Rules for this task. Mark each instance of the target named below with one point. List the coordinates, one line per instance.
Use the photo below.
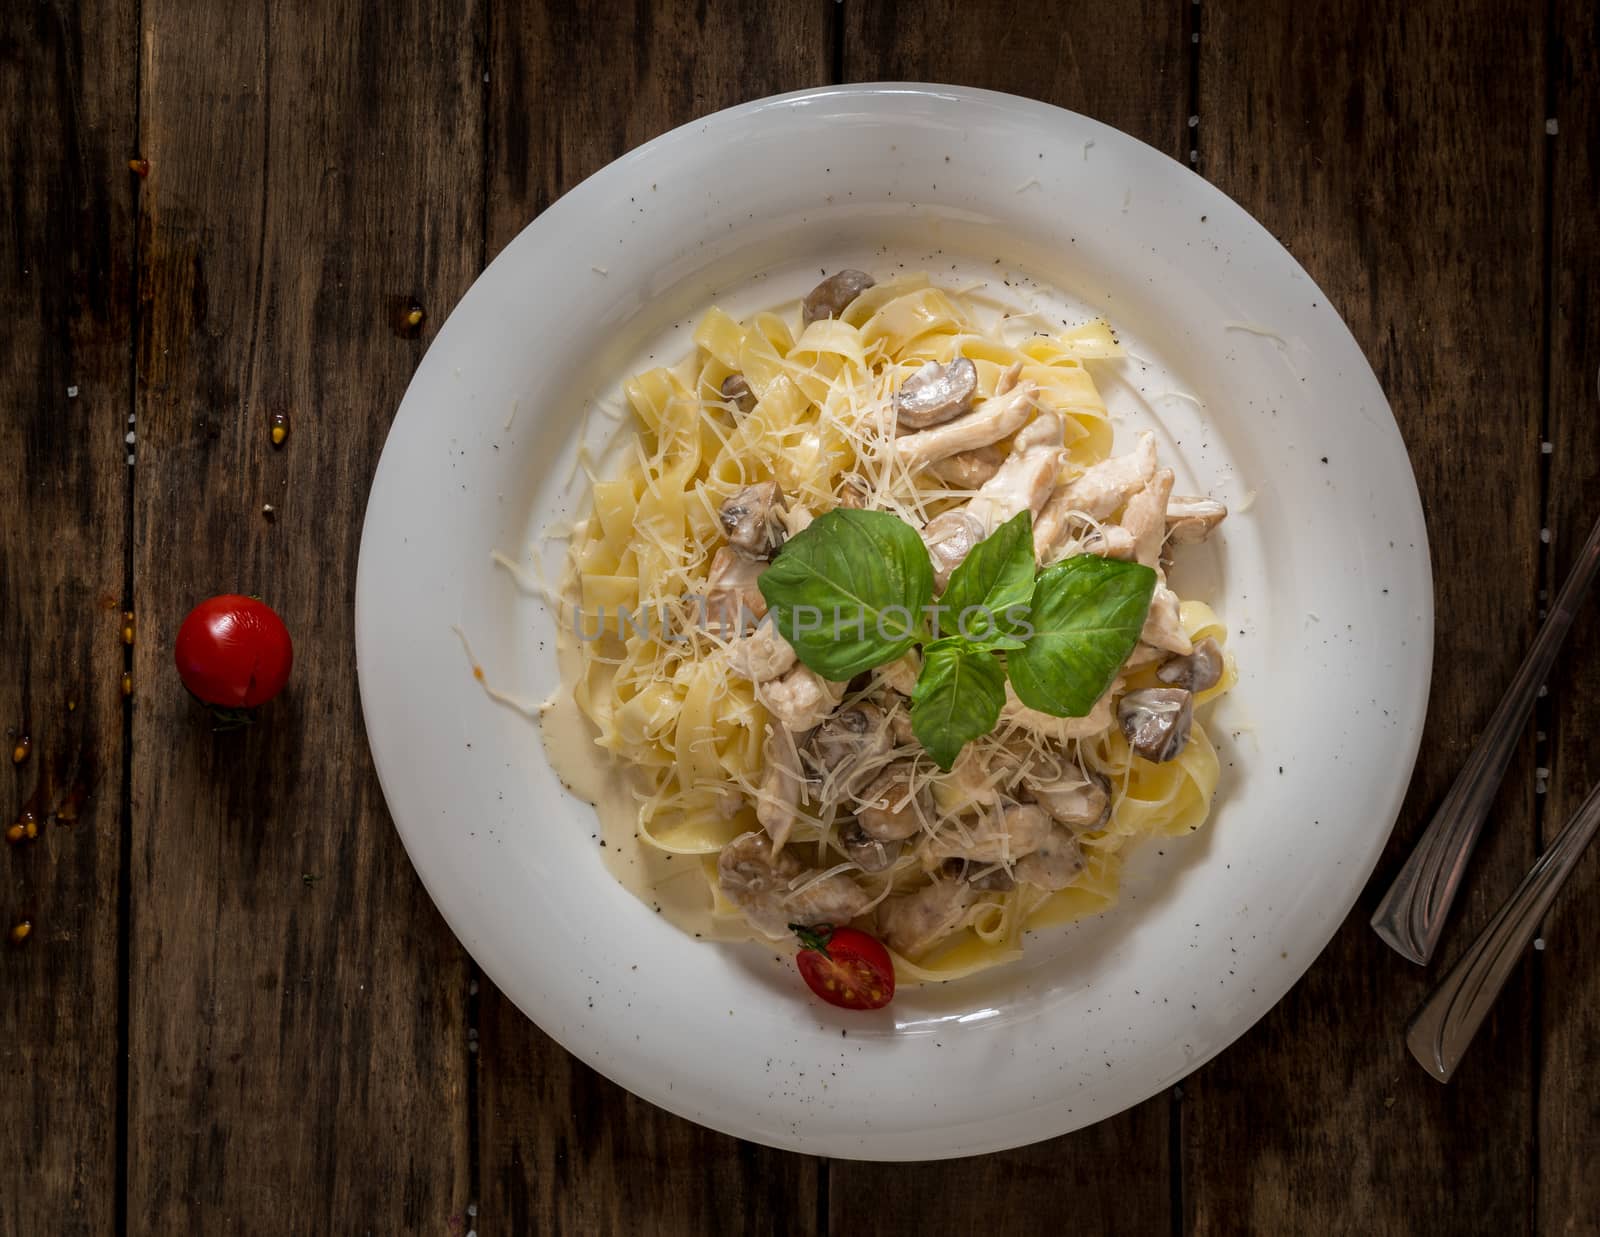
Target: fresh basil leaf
(1087, 615)
(995, 576)
(849, 592)
(957, 699)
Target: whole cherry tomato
(234, 652)
(845, 967)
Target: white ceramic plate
(1322, 578)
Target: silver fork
(1447, 1021)
(1412, 914)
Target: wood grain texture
(66, 248)
(298, 1026)
(1127, 66)
(572, 87)
(1568, 1100)
(1401, 162)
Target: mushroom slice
(753, 519)
(991, 878)
(737, 392)
(774, 889)
(936, 393)
(889, 805)
(1020, 829)
(914, 923)
(967, 470)
(800, 698)
(866, 851)
(849, 745)
(830, 298)
(1191, 519)
(950, 537)
(732, 594)
(1056, 863)
(1083, 803)
(1156, 721)
(997, 417)
(762, 655)
(1200, 670)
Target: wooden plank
(1568, 1103)
(1127, 66)
(571, 88)
(1400, 163)
(298, 1007)
(67, 198)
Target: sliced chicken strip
(1059, 730)
(778, 802)
(1110, 483)
(914, 923)
(967, 470)
(1162, 626)
(835, 899)
(1055, 865)
(1110, 541)
(761, 656)
(1191, 519)
(1026, 478)
(762, 884)
(1096, 494)
(900, 675)
(1145, 517)
(997, 417)
(733, 598)
(1020, 829)
(800, 699)
(797, 519)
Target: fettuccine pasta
(788, 798)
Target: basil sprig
(855, 591)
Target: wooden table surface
(238, 1011)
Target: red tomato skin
(858, 964)
(234, 652)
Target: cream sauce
(674, 885)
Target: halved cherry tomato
(844, 967)
(233, 652)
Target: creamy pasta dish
(876, 629)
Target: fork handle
(1446, 1023)
(1412, 914)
